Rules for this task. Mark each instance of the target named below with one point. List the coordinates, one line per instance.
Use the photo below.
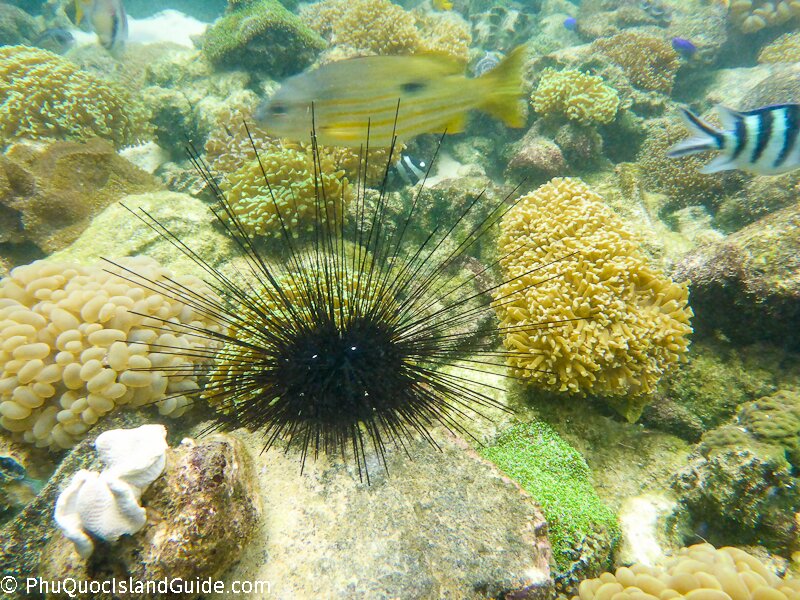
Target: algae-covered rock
(264, 37)
(748, 285)
(16, 26)
(199, 517)
(583, 530)
(50, 193)
(443, 523)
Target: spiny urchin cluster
(343, 346)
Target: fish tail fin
(704, 137)
(78, 12)
(504, 89)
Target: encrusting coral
(261, 36)
(649, 61)
(43, 95)
(700, 572)
(578, 96)
(616, 324)
(786, 49)
(754, 15)
(72, 349)
(382, 27)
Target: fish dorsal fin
(728, 117)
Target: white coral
(106, 504)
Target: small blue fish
(571, 23)
(764, 141)
(684, 47)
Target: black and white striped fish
(411, 171)
(765, 141)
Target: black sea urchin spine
(348, 343)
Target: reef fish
(386, 95)
(107, 18)
(763, 141)
(410, 170)
(571, 23)
(684, 47)
(442, 4)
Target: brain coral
(649, 61)
(616, 324)
(381, 27)
(42, 95)
(784, 49)
(754, 15)
(700, 572)
(72, 349)
(579, 96)
(292, 184)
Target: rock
(148, 157)
(49, 193)
(748, 285)
(199, 517)
(431, 528)
(536, 158)
(648, 526)
(117, 232)
(16, 26)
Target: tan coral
(72, 350)
(700, 572)
(587, 313)
(751, 16)
(43, 95)
(785, 49)
(649, 61)
(444, 33)
(578, 96)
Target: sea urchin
(349, 340)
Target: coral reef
(49, 193)
(740, 483)
(42, 95)
(358, 27)
(582, 529)
(263, 37)
(785, 49)
(748, 284)
(288, 195)
(578, 96)
(616, 324)
(758, 198)
(649, 61)
(700, 571)
(502, 28)
(73, 350)
(680, 179)
(751, 16)
(537, 159)
(106, 505)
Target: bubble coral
(754, 15)
(290, 193)
(578, 96)
(650, 62)
(43, 95)
(72, 349)
(621, 323)
(784, 49)
(699, 572)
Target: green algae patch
(264, 37)
(557, 476)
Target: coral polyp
(356, 337)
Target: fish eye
(412, 86)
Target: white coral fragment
(106, 505)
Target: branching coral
(73, 349)
(381, 27)
(700, 572)
(288, 194)
(784, 49)
(754, 15)
(262, 36)
(617, 325)
(578, 96)
(649, 61)
(42, 95)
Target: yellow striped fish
(426, 93)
